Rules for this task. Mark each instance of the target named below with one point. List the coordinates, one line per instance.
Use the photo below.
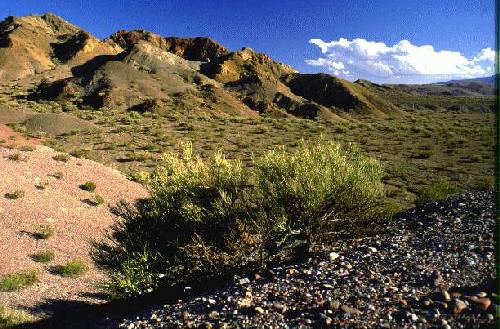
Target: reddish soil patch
(13, 138)
(62, 206)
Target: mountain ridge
(134, 69)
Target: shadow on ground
(80, 315)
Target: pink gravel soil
(61, 206)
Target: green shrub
(81, 153)
(88, 186)
(319, 185)
(61, 157)
(17, 281)
(14, 194)
(43, 256)
(71, 269)
(11, 317)
(98, 200)
(213, 218)
(436, 191)
(43, 232)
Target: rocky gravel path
(436, 270)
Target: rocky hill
(132, 69)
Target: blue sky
(351, 38)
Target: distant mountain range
(490, 80)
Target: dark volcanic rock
(193, 49)
(196, 49)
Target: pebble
(280, 308)
(350, 310)
(259, 310)
(459, 306)
(244, 281)
(446, 295)
(333, 255)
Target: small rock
(213, 315)
(413, 317)
(244, 281)
(350, 310)
(459, 306)
(482, 303)
(259, 310)
(482, 294)
(437, 279)
(333, 255)
(334, 304)
(446, 295)
(435, 313)
(372, 249)
(244, 303)
(280, 308)
(207, 325)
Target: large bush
(213, 218)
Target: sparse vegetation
(98, 200)
(43, 232)
(14, 157)
(262, 212)
(41, 185)
(26, 148)
(72, 269)
(56, 175)
(436, 191)
(391, 140)
(61, 157)
(89, 186)
(14, 194)
(10, 317)
(43, 256)
(81, 153)
(17, 281)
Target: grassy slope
(417, 149)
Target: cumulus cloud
(402, 62)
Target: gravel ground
(58, 203)
(437, 270)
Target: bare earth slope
(64, 207)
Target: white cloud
(487, 54)
(402, 62)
